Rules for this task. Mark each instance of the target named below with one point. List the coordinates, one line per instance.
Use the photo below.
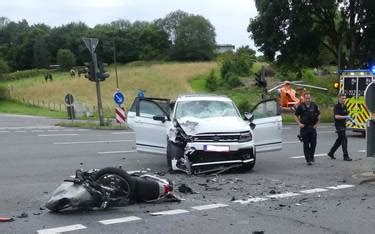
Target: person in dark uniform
(307, 116)
(340, 115)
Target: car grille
(217, 137)
(202, 156)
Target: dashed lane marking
(210, 206)
(37, 131)
(62, 134)
(31, 127)
(20, 131)
(362, 151)
(315, 155)
(251, 200)
(4, 131)
(316, 190)
(283, 195)
(120, 220)
(123, 133)
(291, 142)
(62, 229)
(319, 132)
(90, 142)
(170, 212)
(201, 207)
(118, 152)
(342, 186)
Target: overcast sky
(229, 17)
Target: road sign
(91, 43)
(69, 99)
(120, 115)
(118, 97)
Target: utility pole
(91, 44)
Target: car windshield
(205, 109)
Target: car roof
(202, 96)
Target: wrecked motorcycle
(109, 187)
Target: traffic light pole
(100, 107)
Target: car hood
(193, 126)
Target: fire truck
(353, 84)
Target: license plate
(216, 148)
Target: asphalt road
(281, 195)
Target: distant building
(224, 48)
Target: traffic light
(102, 74)
(90, 71)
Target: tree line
(178, 36)
(315, 32)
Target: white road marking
(4, 131)
(90, 142)
(31, 127)
(362, 151)
(325, 132)
(53, 130)
(316, 190)
(251, 200)
(316, 155)
(210, 206)
(21, 131)
(83, 130)
(118, 152)
(37, 130)
(120, 220)
(170, 212)
(122, 133)
(62, 229)
(283, 195)
(291, 142)
(342, 186)
(59, 134)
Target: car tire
(172, 152)
(248, 166)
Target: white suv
(205, 132)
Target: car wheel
(249, 166)
(173, 151)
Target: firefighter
(340, 115)
(307, 116)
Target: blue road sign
(118, 97)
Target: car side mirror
(249, 116)
(159, 118)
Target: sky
(230, 18)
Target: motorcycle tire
(118, 179)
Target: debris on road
(23, 215)
(6, 219)
(183, 188)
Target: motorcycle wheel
(118, 180)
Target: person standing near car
(340, 115)
(307, 116)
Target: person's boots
(331, 156)
(347, 158)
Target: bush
(233, 81)
(3, 93)
(211, 83)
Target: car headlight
(245, 136)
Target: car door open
(149, 118)
(267, 133)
